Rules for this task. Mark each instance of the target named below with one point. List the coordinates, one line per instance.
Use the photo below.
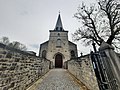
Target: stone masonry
(82, 69)
(18, 70)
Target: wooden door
(58, 61)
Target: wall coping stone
(105, 46)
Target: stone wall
(83, 70)
(18, 69)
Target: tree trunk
(110, 39)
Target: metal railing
(103, 70)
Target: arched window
(58, 34)
(58, 43)
(72, 54)
(61, 29)
(44, 53)
(56, 28)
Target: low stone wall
(18, 70)
(83, 70)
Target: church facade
(58, 48)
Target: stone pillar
(112, 60)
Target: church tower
(58, 48)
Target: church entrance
(58, 61)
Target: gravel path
(57, 79)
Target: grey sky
(29, 21)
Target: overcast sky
(29, 21)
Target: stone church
(58, 48)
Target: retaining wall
(83, 70)
(18, 69)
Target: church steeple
(59, 26)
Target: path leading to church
(56, 79)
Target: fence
(106, 65)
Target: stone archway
(58, 61)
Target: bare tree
(23, 47)
(5, 40)
(18, 45)
(14, 44)
(100, 23)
